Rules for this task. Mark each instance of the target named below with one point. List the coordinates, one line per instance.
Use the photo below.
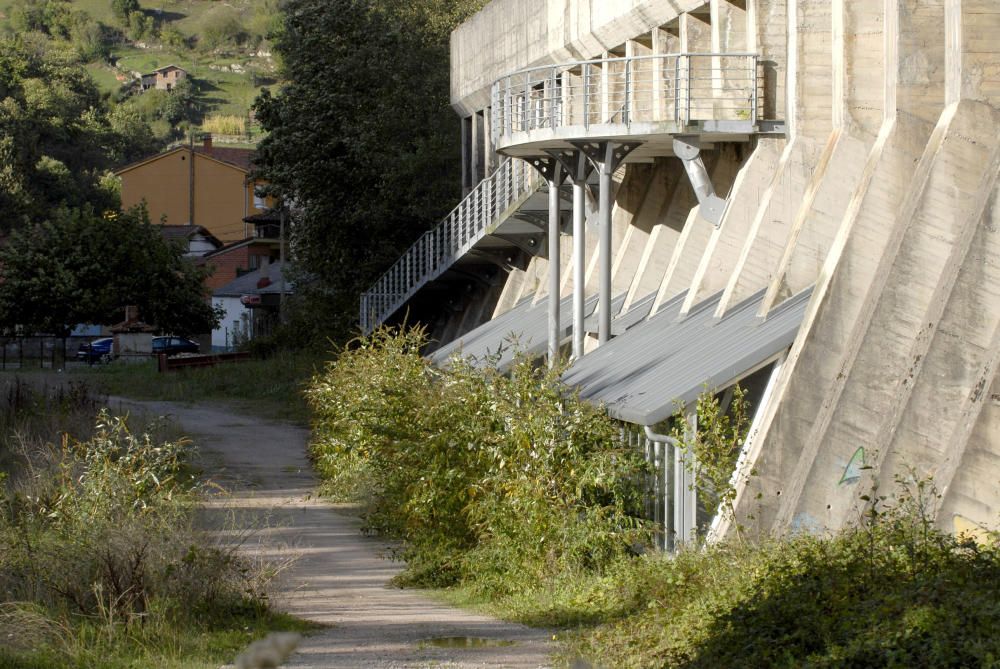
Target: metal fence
(38, 352)
(669, 487)
(679, 88)
(439, 248)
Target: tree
(79, 267)
(363, 140)
(122, 9)
(56, 140)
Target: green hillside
(224, 46)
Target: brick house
(164, 78)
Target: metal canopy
(645, 374)
(523, 328)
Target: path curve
(339, 577)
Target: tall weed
(488, 478)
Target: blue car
(174, 345)
(98, 350)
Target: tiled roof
(242, 158)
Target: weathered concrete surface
(875, 199)
(339, 577)
(508, 35)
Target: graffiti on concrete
(852, 472)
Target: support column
(578, 169)
(606, 157)
(554, 265)
(551, 171)
(685, 490)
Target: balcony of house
(645, 98)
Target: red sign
(250, 300)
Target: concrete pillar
(466, 154)
(475, 151)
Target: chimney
(207, 139)
(131, 313)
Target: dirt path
(339, 577)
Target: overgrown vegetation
(500, 482)
(270, 387)
(513, 495)
(890, 592)
(100, 560)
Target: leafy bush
(98, 546)
(488, 478)
(892, 592)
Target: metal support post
(549, 168)
(606, 158)
(578, 169)
(554, 265)
(605, 169)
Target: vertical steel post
(579, 255)
(553, 306)
(604, 248)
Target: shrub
(891, 592)
(488, 478)
(102, 530)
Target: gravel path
(338, 577)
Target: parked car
(174, 345)
(99, 350)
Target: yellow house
(195, 185)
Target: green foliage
(715, 445)
(122, 9)
(489, 479)
(100, 560)
(222, 26)
(82, 268)
(55, 136)
(897, 593)
(141, 26)
(270, 387)
(363, 137)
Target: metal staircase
(493, 200)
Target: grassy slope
(224, 92)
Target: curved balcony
(713, 95)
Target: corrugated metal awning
(523, 328)
(665, 362)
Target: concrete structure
(196, 185)
(702, 155)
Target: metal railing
(668, 485)
(439, 248)
(678, 88)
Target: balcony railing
(438, 249)
(678, 89)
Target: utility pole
(281, 272)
